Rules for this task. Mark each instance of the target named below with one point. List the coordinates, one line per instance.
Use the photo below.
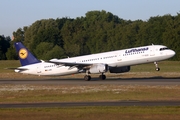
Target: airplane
(118, 61)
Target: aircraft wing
(71, 64)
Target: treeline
(4, 45)
(98, 31)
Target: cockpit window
(165, 48)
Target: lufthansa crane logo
(23, 53)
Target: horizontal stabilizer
(20, 69)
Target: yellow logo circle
(23, 53)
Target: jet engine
(119, 69)
(98, 68)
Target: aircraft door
(39, 69)
(119, 58)
(152, 51)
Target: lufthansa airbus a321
(118, 61)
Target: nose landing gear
(156, 65)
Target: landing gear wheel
(102, 77)
(157, 69)
(87, 77)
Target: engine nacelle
(119, 69)
(98, 68)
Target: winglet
(25, 56)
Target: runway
(78, 104)
(78, 81)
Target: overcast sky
(16, 14)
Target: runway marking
(76, 104)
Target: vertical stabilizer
(25, 56)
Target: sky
(16, 14)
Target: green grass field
(92, 113)
(68, 93)
(62, 93)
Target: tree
(4, 45)
(56, 52)
(98, 31)
(42, 49)
(18, 35)
(11, 53)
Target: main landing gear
(87, 77)
(156, 65)
(102, 77)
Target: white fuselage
(119, 58)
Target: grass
(67, 93)
(8, 64)
(90, 113)
(165, 66)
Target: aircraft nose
(172, 53)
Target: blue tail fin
(25, 56)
